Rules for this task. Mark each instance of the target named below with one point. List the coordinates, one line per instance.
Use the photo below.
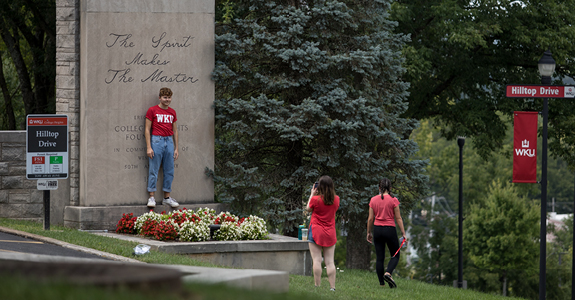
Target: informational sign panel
(46, 146)
(540, 91)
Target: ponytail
(385, 186)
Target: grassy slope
(350, 284)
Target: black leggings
(383, 235)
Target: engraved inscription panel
(125, 59)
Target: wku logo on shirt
(165, 118)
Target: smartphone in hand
(315, 185)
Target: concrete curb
(276, 281)
(279, 253)
(68, 245)
(251, 279)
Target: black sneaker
(389, 280)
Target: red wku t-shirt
(162, 120)
(323, 221)
(383, 210)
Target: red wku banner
(525, 146)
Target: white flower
(196, 228)
(147, 216)
(194, 231)
(229, 231)
(253, 228)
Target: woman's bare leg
(328, 254)
(315, 252)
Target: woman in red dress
(323, 203)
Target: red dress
(323, 221)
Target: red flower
(165, 231)
(126, 224)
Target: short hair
(165, 92)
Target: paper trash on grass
(142, 249)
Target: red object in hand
(400, 246)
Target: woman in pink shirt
(323, 203)
(383, 214)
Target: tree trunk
(504, 279)
(23, 76)
(358, 249)
(9, 111)
(293, 202)
(44, 80)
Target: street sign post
(46, 146)
(47, 154)
(545, 92)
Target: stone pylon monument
(113, 57)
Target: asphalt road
(17, 244)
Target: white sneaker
(151, 202)
(171, 202)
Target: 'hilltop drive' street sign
(540, 91)
(46, 146)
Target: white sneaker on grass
(171, 202)
(151, 202)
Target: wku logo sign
(524, 150)
(525, 146)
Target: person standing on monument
(323, 203)
(161, 135)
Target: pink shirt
(383, 210)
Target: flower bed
(193, 226)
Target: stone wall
(19, 197)
(68, 96)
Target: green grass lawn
(350, 284)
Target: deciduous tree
(501, 235)
(28, 32)
(462, 54)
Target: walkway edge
(68, 245)
(251, 279)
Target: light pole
(460, 143)
(546, 68)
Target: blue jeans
(310, 235)
(163, 147)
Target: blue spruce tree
(311, 88)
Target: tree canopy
(462, 54)
(27, 59)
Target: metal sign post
(542, 91)
(46, 154)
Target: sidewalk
(123, 270)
